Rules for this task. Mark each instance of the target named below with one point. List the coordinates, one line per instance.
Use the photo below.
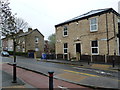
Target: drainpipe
(107, 35)
(115, 43)
(107, 39)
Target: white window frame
(65, 29)
(65, 48)
(36, 49)
(118, 20)
(36, 39)
(95, 48)
(95, 24)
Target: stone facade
(31, 41)
(80, 37)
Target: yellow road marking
(82, 73)
(86, 74)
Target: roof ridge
(88, 14)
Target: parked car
(5, 53)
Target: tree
(52, 39)
(21, 24)
(9, 28)
(7, 19)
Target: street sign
(104, 39)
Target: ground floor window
(94, 47)
(65, 50)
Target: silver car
(5, 53)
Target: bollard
(88, 62)
(113, 61)
(14, 73)
(51, 80)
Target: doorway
(78, 51)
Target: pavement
(7, 82)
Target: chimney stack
(29, 29)
(20, 31)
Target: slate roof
(27, 33)
(89, 14)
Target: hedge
(19, 53)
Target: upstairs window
(94, 47)
(36, 39)
(65, 31)
(93, 24)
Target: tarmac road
(43, 66)
(70, 73)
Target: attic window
(36, 39)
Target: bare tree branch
(21, 24)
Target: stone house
(31, 41)
(7, 44)
(93, 33)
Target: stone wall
(79, 32)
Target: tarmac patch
(98, 66)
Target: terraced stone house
(94, 33)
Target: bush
(10, 52)
(19, 53)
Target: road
(46, 66)
(63, 71)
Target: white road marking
(63, 88)
(102, 72)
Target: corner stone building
(93, 33)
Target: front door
(78, 51)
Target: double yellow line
(86, 74)
(81, 73)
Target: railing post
(51, 80)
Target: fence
(101, 58)
(94, 58)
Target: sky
(45, 14)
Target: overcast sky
(45, 14)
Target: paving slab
(7, 81)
